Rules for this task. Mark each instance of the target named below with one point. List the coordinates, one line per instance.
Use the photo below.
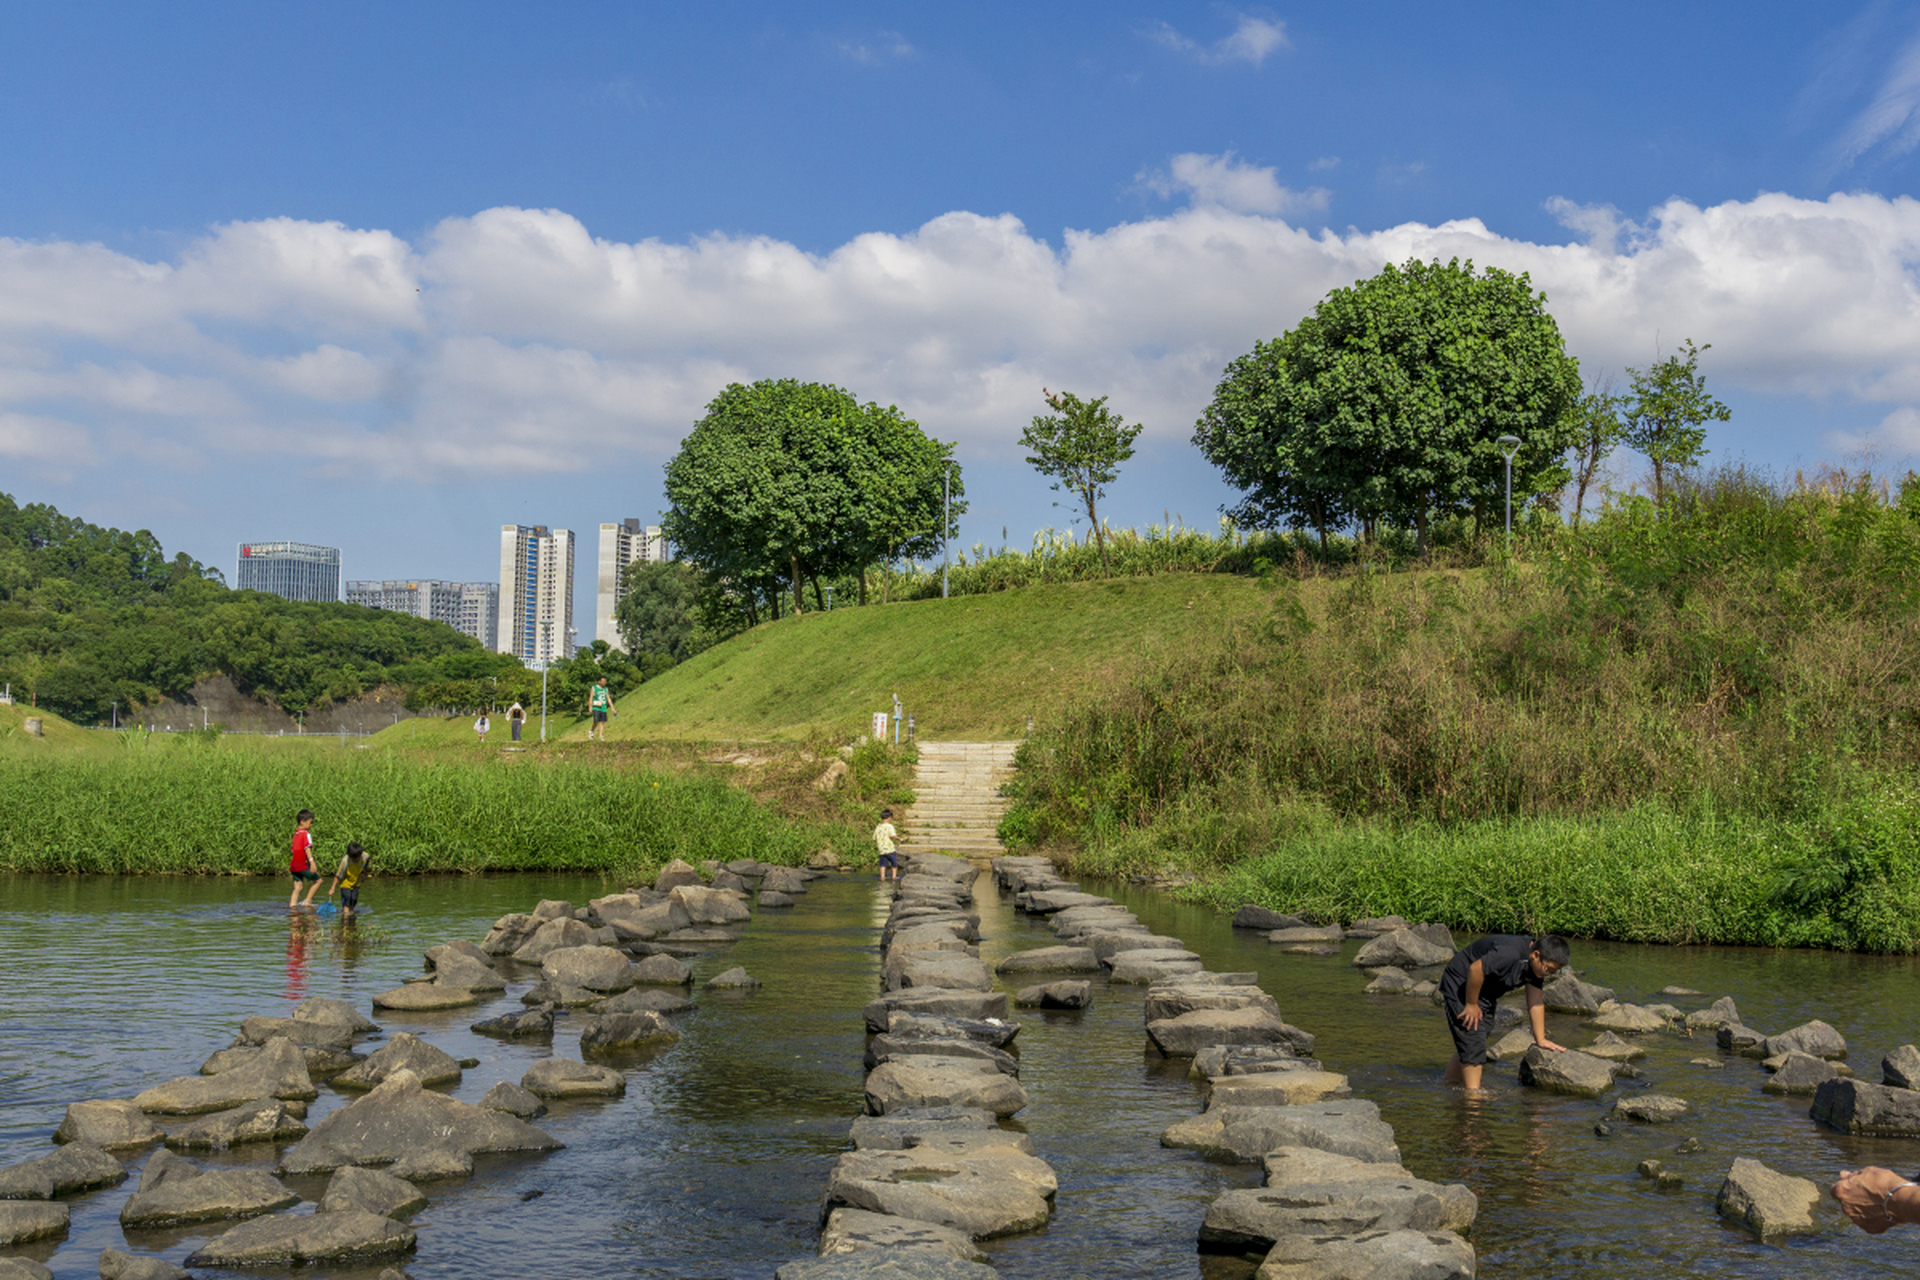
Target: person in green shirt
(602, 705)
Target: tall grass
(185, 806)
(1752, 652)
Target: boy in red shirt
(302, 865)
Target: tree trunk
(863, 584)
(1659, 484)
(1098, 536)
(1420, 518)
(799, 601)
(819, 601)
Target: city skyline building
(471, 608)
(292, 570)
(536, 593)
(621, 545)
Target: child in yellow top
(887, 840)
(347, 877)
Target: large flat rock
(405, 1051)
(1050, 960)
(77, 1166)
(407, 1127)
(1401, 949)
(595, 968)
(174, 1191)
(1375, 1255)
(277, 1071)
(428, 997)
(1766, 1202)
(934, 1126)
(946, 970)
(1186, 1035)
(1171, 999)
(288, 1239)
(854, 1230)
(1856, 1106)
(1278, 1089)
(1350, 1127)
(107, 1123)
(1255, 1218)
(984, 1193)
(923, 1081)
(1570, 1072)
(980, 1005)
(267, 1120)
(885, 1264)
(25, 1220)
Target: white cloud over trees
(516, 341)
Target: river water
(713, 1163)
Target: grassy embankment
(1701, 726)
(207, 805)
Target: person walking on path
(347, 877)
(481, 726)
(887, 841)
(302, 863)
(1477, 976)
(516, 719)
(602, 706)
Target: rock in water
(1570, 1072)
(286, 1239)
(407, 1127)
(371, 1191)
(854, 1230)
(1652, 1108)
(1854, 1106)
(1350, 1127)
(1721, 1013)
(174, 1191)
(512, 1099)
(1815, 1039)
(1765, 1202)
(117, 1264)
(1900, 1069)
(1379, 1255)
(1401, 949)
(605, 1033)
(268, 1120)
(25, 1220)
(560, 1078)
(533, 1024)
(278, 1071)
(984, 1192)
(736, 979)
(405, 1051)
(1567, 994)
(884, 1264)
(1800, 1073)
(108, 1123)
(74, 1167)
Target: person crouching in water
(1477, 976)
(347, 877)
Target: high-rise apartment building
(296, 570)
(536, 592)
(620, 545)
(472, 608)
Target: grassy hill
(973, 667)
(58, 736)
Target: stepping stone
(289, 1239)
(1652, 1108)
(1050, 960)
(107, 1123)
(1611, 1047)
(1187, 1034)
(559, 1078)
(277, 1071)
(1388, 1255)
(1764, 1201)
(942, 1082)
(426, 997)
(1278, 1089)
(1570, 1072)
(371, 1191)
(885, 1264)
(852, 1230)
(413, 1131)
(268, 1120)
(1055, 995)
(1350, 1127)
(407, 1052)
(174, 1191)
(997, 1191)
(24, 1220)
(1260, 1216)
(77, 1166)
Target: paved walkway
(958, 805)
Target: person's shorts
(599, 717)
(349, 899)
(1470, 1045)
(889, 859)
(305, 877)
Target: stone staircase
(957, 806)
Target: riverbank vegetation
(198, 804)
(1696, 722)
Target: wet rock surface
(1764, 1201)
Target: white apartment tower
(536, 592)
(620, 545)
(469, 607)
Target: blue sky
(386, 277)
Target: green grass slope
(974, 667)
(58, 736)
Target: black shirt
(1503, 960)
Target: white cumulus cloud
(516, 341)
(1251, 41)
(1221, 180)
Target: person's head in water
(355, 852)
(1549, 955)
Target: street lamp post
(546, 639)
(1509, 445)
(946, 523)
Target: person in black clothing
(1478, 975)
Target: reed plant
(180, 805)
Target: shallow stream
(713, 1163)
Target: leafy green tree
(1666, 414)
(783, 482)
(1081, 445)
(656, 614)
(1388, 401)
(1597, 430)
